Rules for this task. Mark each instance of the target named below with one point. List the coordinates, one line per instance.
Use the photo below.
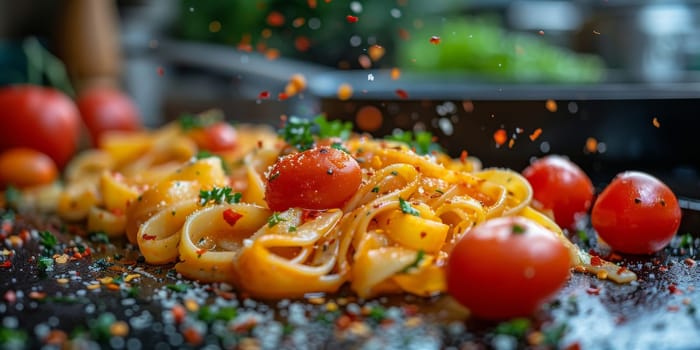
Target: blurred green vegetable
(482, 46)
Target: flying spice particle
(395, 74)
(535, 134)
(272, 54)
(302, 43)
(264, 95)
(376, 52)
(435, 40)
(214, 26)
(500, 137)
(402, 93)
(369, 118)
(312, 3)
(551, 105)
(591, 145)
(468, 106)
(541, 32)
(266, 33)
(511, 143)
(160, 71)
(404, 34)
(298, 22)
(344, 92)
(282, 96)
(364, 61)
(351, 19)
(656, 123)
(275, 19)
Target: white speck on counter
(504, 342)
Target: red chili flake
(351, 19)
(663, 268)
(312, 3)
(402, 93)
(282, 96)
(535, 134)
(343, 322)
(593, 290)
(410, 309)
(6, 227)
(621, 270)
(245, 325)
(673, 308)
(10, 296)
(302, 43)
(77, 255)
(689, 262)
(463, 156)
(260, 144)
(160, 71)
(37, 295)
(245, 47)
(147, 237)
(264, 95)
(275, 19)
(6, 263)
(117, 212)
(673, 289)
(596, 261)
(435, 40)
(200, 252)
(308, 215)
(541, 32)
(231, 217)
(500, 137)
(192, 336)
(179, 313)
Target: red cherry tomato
(104, 109)
(40, 118)
(636, 213)
(25, 167)
(506, 267)
(319, 178)
(217, 137)
(561, 187)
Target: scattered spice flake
(376, 52)
(402, 93)
(511, 143)
(404, 34)
(298, 22)
(395, 74)
(596, 261)
(369, 118)
(61, 280)
(673, 289)
(541, 32)
(160, 71)
(463, 156)
(275, 19)
(302, 43)
(500, 137)
(551, 105)
(591, 145)
(214, 26)
(312, 3)
(344, 92)
(656, 123)
(147, 237)
(37, 295)
(231, 217)
(435, 40)
(178, 312)
(6, 264)
(535, 134)
(596, 32)
(364, 61)
(298, 81)
(264, 95)
(282, 96)
(266, 33)
(272, 54)
(690, 262)
(192, 336)
(468, 106)
(351, 19)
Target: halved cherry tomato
(41, 118)
(318, 178)
(217, 137)
(26, 167)
(636, 213)
(104, 109)
(561, 187)
(506, 267)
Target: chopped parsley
(419, 258)
(274, 219)
(99, 237)
(13, 338)
(421, 141)
(517, 229)
(45, 263)
(582, 235)
(375, 189)
(208, 315)
(47, 240)
(219, 195)
(178, 287)
(377, 313)
(686, 240)
(12, 196)
(407, 208)
(516, 327)
(292, 229)
(300, 132)
(339, 146)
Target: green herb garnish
(297, 132)
(419, 258)
(47, 240)
(686, 240)
(292, 229)
(375, 189)
(333, 128)
(100, 328)
(377, 313)
(554, 334)
(12, 196)
(421, 141)
(179, 287)
(45, 263)
(13, 338)
(274, 219)
(516, 327)
(517, 229)
(407, 208)
(99, 237)
(582, 235)
(219, 195)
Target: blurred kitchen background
(613, 84)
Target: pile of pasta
(148, 186)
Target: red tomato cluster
(48, 122)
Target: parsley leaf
(99, 237)
(45, 263)
(333, 128)
(517, 229)
(297, 132)
(516, 327)
(421, 141)
(274, 219)
(219, 195)
(179, 287)
(407, 208)
(419, 257)
(686, 240)
(47, 240)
